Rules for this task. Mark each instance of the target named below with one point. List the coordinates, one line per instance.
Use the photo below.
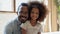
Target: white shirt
(31, 29)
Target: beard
(22, 19)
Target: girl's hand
(23, 31)
(39, 32)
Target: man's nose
(24, 14)
(34, 14)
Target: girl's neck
(33, 22)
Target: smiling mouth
(23, 17)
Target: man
(14, 26)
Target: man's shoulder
(12, 23)
(10, 26)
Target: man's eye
(21, 12)
(24, 12)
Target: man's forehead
(24, 7)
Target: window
(58, 13)
(6, 5)
(10, 5)
(18, 2)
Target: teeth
(23, 18)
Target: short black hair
(41, 7)
(22, 4)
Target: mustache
(23, 16)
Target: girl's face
(34, 13)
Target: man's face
(23, 14)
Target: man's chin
(22, 21)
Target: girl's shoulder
(27, 22)
(39, 23)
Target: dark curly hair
(42, 10)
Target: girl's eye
(36, 13)
(32, 12)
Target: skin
(34, 15)
(23, 14)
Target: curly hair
(42, 10)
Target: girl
(37, 12)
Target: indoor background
(51, 24)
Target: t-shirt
(31, 29)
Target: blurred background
(8, 9)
